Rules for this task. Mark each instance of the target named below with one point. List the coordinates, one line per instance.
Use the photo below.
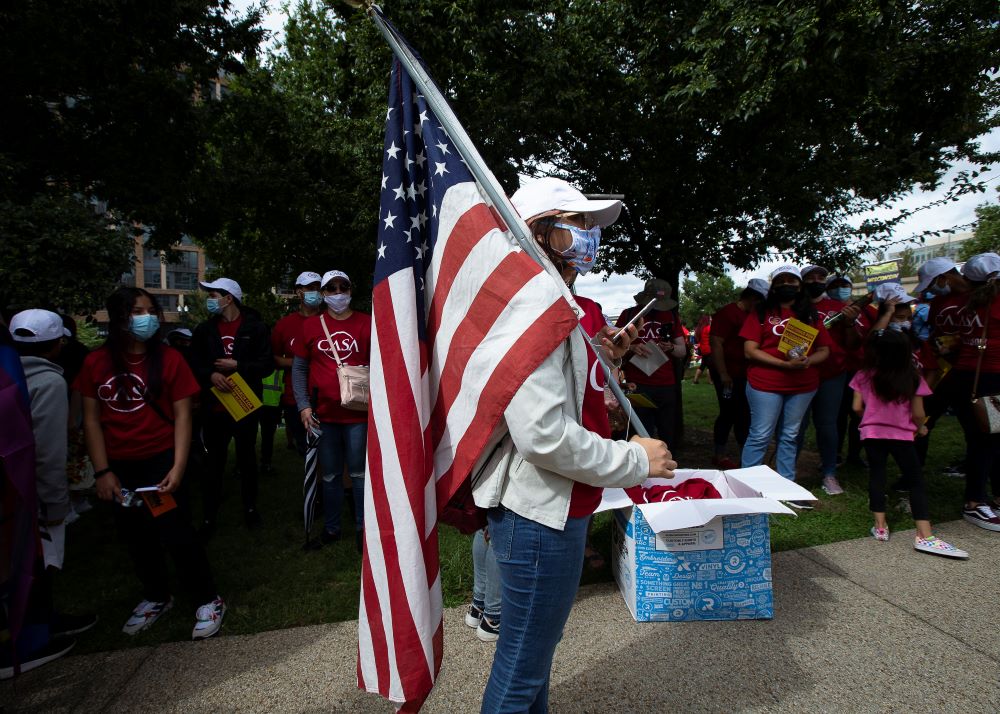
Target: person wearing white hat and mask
(728, 367)
(530, 482)
(780, 385)
(336, 332)
(286, 331)
(233, 340)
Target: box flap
(770, 484)
(613, 499)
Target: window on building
(183, 275)
(167, 302)
(151, 268)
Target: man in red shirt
(283, 337)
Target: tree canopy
(986, 234)
(704, 294)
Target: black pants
(935, 407)
(148, 537)
(982, 450)
(848, 423)
(905, 455)
(659, 421)
(270, 417)
(734, 412)
(293, 425)
(218, 430)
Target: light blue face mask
(581, 254)
(940, 290)
(213, 306)
(842, 294)
(143, 327)
(312, 298)
(903, 326)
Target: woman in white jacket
(543, 480)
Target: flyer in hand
(239, 402)
(799, 335)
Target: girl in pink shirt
(889, 397)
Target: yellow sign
(799, 335)
(239, 402)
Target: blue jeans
(540, 571)
(340, 444)
(766, 408)
(825, 408)
(485, 577)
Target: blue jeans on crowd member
(485, 577)
(766, 408)
(540, 571)
(825, 408)
(342, 444)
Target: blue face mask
(903, 326)
(581, 254)
(941, 290)
(143, 327)
(213, 306)
(842, 294)
(312, 298)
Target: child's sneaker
(488, 630)
(881, 534)
(209, 619)
(936, 546)
(473, 616)
(145, 614)
(832, 486)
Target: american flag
(461, 316)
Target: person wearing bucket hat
(234, 340)
(283, 338)
(657, 349)
(729, 370)
(781, 377)
(555, 440)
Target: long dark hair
(983, 294)
(119, 306)
(802, 308)
(889, 360)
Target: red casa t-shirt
(971, 326)
(586, 498)
(132, 429)
(837, 363)
(286, 331)
(352, 337)
(227, 333)
(726, 325)
(704, 345)
(656, 323)
(766, 378)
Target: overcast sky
(615, 292)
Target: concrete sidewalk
(858, 626)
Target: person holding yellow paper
(781, 378)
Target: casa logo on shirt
(344, 341)
(123, 393)
(778, 325)
(954, 320)
(597, 377)
(650, 331)
(227, 345)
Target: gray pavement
(859, 626)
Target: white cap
(806, 269)
(553, 194)
(331, 274)
(308, 278)
(980, 267)
(930, 270)
(759, 285)
(885, 291)
(37, 326)
(225, 284)
(182, 331)
(785, 269)
(835, 277)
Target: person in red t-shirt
(780, 384)
(338, 331)
(729, 370)
(660, 335)
(137, 425)
(283, 337)
(702, 337)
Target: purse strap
(979, 362)
(333, 346)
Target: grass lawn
(270, 583)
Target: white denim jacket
(541, 448)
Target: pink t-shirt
(885, 420)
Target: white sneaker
(145, 614)
(209, 619)
(936, 546)
(832, 486)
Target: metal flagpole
(467, 150)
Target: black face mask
(814, 290)
(786, 293)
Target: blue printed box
(700, 560)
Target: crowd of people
(875, 371)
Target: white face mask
(339, 302)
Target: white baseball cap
(835, 277)
(759, 285)
(889, 290)
(227, 285)
(806, 269)
(331, 274)
(308, 278)
(785, 269)
(37, 326)
(930, 270)
(553, 194)
(182, 331)
(980, 267)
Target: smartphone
(643, 311)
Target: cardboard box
(700, 560)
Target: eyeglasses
(337, 288)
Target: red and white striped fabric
(461, 316)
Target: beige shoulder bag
(354, 381)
